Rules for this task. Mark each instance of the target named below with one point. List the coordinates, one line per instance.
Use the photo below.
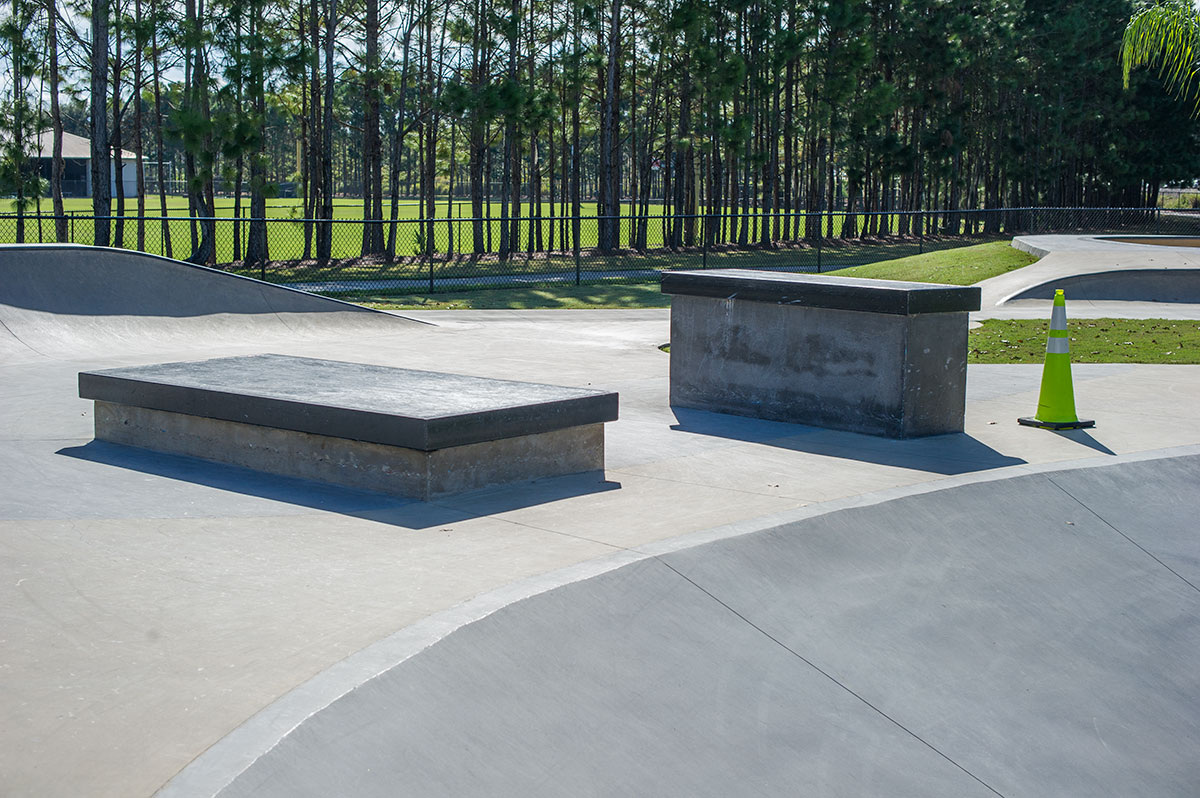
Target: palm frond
(1166, 35)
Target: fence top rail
(726, 214)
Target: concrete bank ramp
(1122, 285)
(1098, 269)
(1032, 636)
(66, 300)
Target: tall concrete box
(873, 356)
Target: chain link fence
(354, 259)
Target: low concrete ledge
(412, 433)
(823, 291)
(873, 356)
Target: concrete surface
(153, 606)
(919, 646)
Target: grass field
(963, 266)
(959, 266)
(286, 232)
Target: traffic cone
(1056, 402)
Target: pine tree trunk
(138, 149)
(256, 238)
(118, 153)
(325, 228)
(61, 233)
(101, 155)
(372, 161)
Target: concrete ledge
(868, 356)
(421, 410)
(395, 470)
(1029, 247)
(823, 291)
(417, 434)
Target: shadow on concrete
(1083, 437)
(504, 498)
(367, 505)
(940, 454)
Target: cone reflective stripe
(1056, 400)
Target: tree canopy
(740, 111)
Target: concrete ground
(155, 607)
(902, 648)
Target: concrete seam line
(217, 767)
(21, 340)
(1111, 526)
(831, 678)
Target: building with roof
(77, 166)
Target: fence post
(820, 235)
(704, 249)
(575, 249)
(920, 219)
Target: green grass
(995, 257)
(1092, 341)
(286, 236)
(962, 266)
(573, 297)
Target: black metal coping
(823, 291)
(422, 410)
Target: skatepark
(733, 606)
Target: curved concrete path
(151, 606)
(1101, 277)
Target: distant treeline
(711, 107)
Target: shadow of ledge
(322, 496)
(956, 453)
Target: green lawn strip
(961, 266)
(1002, 256)
(1092, 341)
(623, 265)
(566, 297)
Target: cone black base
(1080, 424)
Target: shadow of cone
(1056, 401)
